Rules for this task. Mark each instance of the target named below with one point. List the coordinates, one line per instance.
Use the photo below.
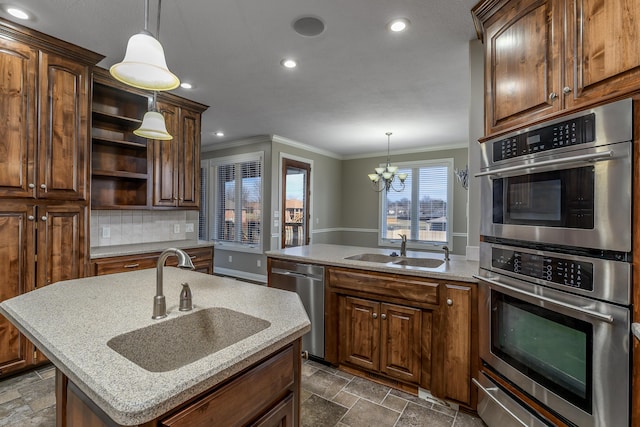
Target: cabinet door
(18, 63)
(189, 159)
(16, 275)
(165, 159)
(602, 36)
(61, 243)
(400, 329)
(457, 343)
(360, 332)
(63, 138)
(522, 68)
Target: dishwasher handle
(295, 274)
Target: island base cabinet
(266, 395)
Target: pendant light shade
(153, 127)
(144, 65)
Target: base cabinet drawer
(202, 259)
(244, 399)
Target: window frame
(214, 200)
(414, 244)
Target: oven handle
(487, 392)
(593, 157)
(603, 317)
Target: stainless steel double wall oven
(555, 272)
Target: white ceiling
(353, 83)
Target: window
(235, 184)
(422, 210)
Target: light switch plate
(106, 232)
(188, 228)
(176, 228)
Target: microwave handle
(593, 157)
(602, 317)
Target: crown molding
(408, 151)
(205, 148)
(300, 145)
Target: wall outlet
(188, 228)
(259, 263)
(276, 223)
(230, 258)
(176, 228)
(106, 232)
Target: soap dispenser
(186, 300)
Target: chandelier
(385, 178)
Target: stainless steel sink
(399, 261)
(420, 262)
(177, 342)
(373, 258)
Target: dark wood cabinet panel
(548, 57)
(400, 337)
(18, 63)
(63, 140)
(17, 270)
(165, 159)
(61, 243)
(188, 180)
(360, 332)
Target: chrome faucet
(446, 253)
(403, 245)
(159, 302)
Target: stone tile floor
(329, 398)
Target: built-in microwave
(564, 182)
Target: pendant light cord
(158, 26)
(146, 18)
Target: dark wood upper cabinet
(545, 57)
(130, 172)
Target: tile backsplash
(122, 227)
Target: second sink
(177, 342)
(399, 261)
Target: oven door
(576, 198)
(569, 353)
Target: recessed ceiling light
(288, 63)
(17, 13)
(185, 85)
(219, 133)
(398, 25)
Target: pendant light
(153, 126)
(144, 65)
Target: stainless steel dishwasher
(307, 280)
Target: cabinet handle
(566, 90)
(31, 217)
(375, 315)
(449, 301)
(32, 185)
(384, 316)
(131, 265)
(553, 96)
(175, 198)
(44, 218)
(43, 186)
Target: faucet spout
(446, 253)
(159, 301)
(403, 245)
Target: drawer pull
(375, 315)
(131, 265)
(384, 316)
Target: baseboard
(239, 274)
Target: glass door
(296, 179)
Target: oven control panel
(575, 274)
(580, 130)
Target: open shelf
(119, 174)
(101, 116)
(110, 193)
(117, 142)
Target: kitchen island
(75, 323)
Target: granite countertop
(457, 268)
(141, 248)
(72, 321)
